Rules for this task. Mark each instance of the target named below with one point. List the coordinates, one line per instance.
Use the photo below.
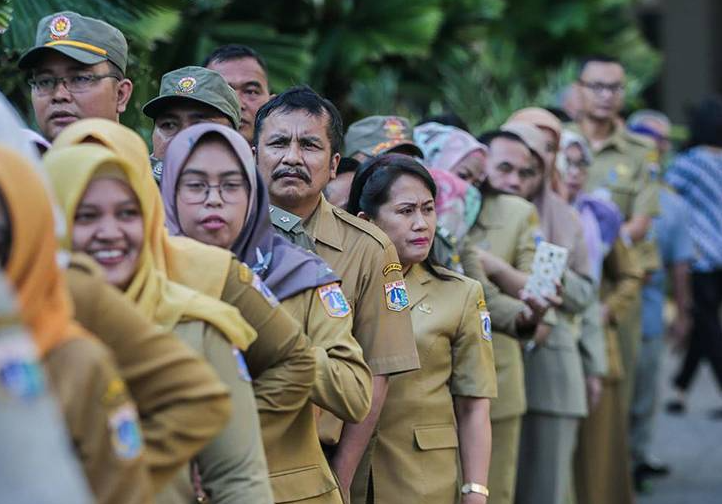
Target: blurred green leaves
(478, 58)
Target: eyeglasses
(599, 87)
(78, 83)
(195, 192)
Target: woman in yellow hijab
(110, 216)
(100, 416)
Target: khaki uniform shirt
(101, 419)
(415, 458)
(232, 467)
(366, 260)
(181, 402)
(621, 281)
(506, 227)
(342, 387)
(624, 168)
(298, 469)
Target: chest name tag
(333, 300)
(397, 298)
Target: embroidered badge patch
(20, 374)
(242, 366)
(397, 298)
(187, 85)
(59, 27)
(333, 300)
(261, 287)
(391, 267)
(394, 128)
(125, 431)
(485, 325)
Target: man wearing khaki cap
(377, 135)
(188, 96)
(77, 70)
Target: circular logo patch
(60, 27)
(187, 85)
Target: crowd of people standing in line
(268, 309)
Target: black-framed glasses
(195, 192)
(599, 87)
(74, 83)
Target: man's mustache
(289, 171)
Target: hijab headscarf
(285, 268)
(32, 268)
(444, 146)
(559, 222)
(201, 267)
(457, 203)
(601, 218)
(71, 169)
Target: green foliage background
(481, 59)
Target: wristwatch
(474, 488)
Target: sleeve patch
(125, 432)
(261, 287)
(394, 266)
(243, 372)
(115, 390)
(20, 373)
(397, 298)
(333, 300)
(485, 325)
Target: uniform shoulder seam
(363, 226)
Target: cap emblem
(394, 128)
(187, 85)
(59, 27)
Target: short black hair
(303, 98)
(448, 119)
(234, 51)
(347, 165)
(371, 188)
(489, 136)
(596, 58)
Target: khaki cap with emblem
(84, 39)
(376, 135)
(198, 84)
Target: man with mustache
(77, 70)
(298, 138)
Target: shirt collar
(323, 225)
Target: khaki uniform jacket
(504, 309)
(623, 167)
(101, 419)
(232, 467)
(415, 459)
(181, 402)
(554, 374)
(298, 469)
(366, 260)
(343, 380)
(621, 280)
(505, 227)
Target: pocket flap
(436, 437)
(301, 483)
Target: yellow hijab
(199, 266)
(32, 269)
(71, 169)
